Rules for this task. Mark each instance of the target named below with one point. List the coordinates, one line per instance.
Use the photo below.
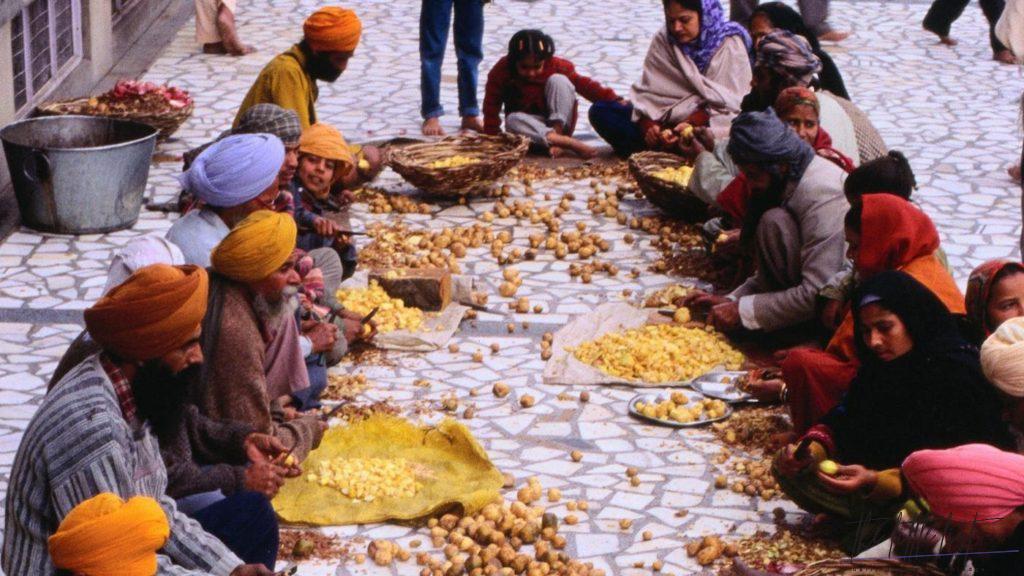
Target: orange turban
(325, 141)
(333, 29)
(156, 310)
(256, 247)
(106, 536)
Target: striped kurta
(77, 446)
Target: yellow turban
(1002, 357)
(106, 536)
(156, 310)
(256, 247)
(325, 141)
(333, 29)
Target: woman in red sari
(883, 232)
(798, 107)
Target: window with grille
(46, 42)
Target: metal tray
(653, 397)
(713, 386)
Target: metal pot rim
(153, 135)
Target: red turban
(156, 310)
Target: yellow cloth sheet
(455, 472)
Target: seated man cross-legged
(93, 432)
(254, 359)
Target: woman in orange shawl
(883, 232)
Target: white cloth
(748, 316)
(1010, 28)
(712, 172)
(672, 87)
(207, 31)
(139, 253)
(839, 126)
(197, 234)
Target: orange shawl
(896, 235)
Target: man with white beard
(253, 356)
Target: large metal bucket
(79, 174)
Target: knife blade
(370, 316)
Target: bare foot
(241, 50)
(472, 123)
(583, 151)
(557, 151)
(1014, 172)
(214, 48)
(577, 147)
(1005, 57)
(948, 40)
(432, 127)
(834, 36)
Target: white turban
(1002, 357)
(235, 170)
(139, 253)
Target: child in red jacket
(538, 92)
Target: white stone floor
(952, 111)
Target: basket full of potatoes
(664, 180)
(458, 165)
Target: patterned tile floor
(951, 110)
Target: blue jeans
(613, 121)
(245, 522)
(435, 18)
(309, 398)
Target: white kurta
(207, 31)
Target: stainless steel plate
(722, 385)
(651, 397)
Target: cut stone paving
(953, 111)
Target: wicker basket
(166, 122)
(496, 154)
(876, 567)
(674, 199)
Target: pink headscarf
(972, 483)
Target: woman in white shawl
(696, 71)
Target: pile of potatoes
(380, 202)
(710, 548)
(659, 353)
(505, 539)
(398, 246)
(755, 479)
(345, 386)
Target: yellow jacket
(285, 82)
